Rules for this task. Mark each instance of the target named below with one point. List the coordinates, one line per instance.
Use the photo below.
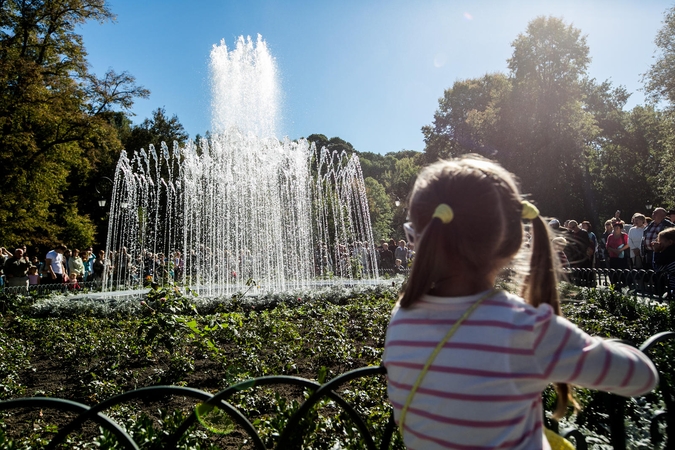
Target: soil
(58, 378)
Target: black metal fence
(661, 426)
(643, 283)
(47, 288)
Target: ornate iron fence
(643, 283)
(662, 423)
(42, 289)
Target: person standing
(386, 258)
(466, 363)
(579, 248)
(16, 268)
(617, 243)
(401, 253)
(586, 226)
(76, 265)
(651, 232)
(635, 240)
(55, 264)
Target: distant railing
(294, 430)
(41, 289)
(643, 283)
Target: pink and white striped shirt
(483, 391)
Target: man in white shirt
(54, 264)
(635, 239)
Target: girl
(467, 363)
(33, 276)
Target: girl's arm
(567, 354)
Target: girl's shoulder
(501, 306)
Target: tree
(660, 85)
(53, 114)
(660, 79)
(156, 130)
(533, 121)
(466, 120)
(380, 205)
(550, 130)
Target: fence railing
(643, 283)
(41, 289)
(661, 427)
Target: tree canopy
(55, 117)
(566, 136)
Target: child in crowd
(33, 276)
(467, 363)
(73, 284)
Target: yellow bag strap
(435, 353)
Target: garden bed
(89, 351)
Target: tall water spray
(242, 205)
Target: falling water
(242, 205)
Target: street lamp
(397, 202)
(103, 187)
(648, 206)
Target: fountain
(241, 206)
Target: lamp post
(648, 206)
(103, 187)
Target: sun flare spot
(468, 16)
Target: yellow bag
(556, 441)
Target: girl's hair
(484, 235)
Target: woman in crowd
(617, 243)
(76, 265)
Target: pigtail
(541, 286)
(421, 275)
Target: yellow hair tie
(529, 210)
(444, 212)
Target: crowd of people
(59, 265)
(390, 257)
(646, 243)
(62, 265)
(620, 246)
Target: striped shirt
(483, 391)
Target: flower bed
(88, 351)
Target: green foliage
(54, 117)
(381, 209)
(154, 131)
(660, 79)
(610, 314)
(567, 137)
(173, 338)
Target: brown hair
(479, 241)
(668, 233)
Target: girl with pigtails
(466, 362)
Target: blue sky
(370, 72)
